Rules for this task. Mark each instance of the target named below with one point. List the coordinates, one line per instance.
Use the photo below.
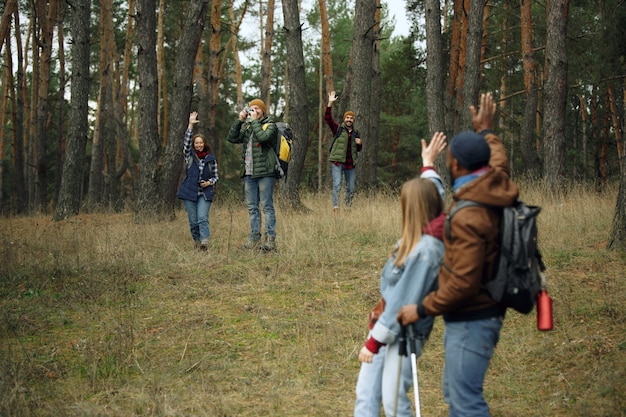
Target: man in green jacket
(258, 134)
(343, 152)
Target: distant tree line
(95, 95)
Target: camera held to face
(248, 110)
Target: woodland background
(106, 312)
(96, 94)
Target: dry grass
(104, 317)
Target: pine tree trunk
(361, 74)
(181, 101)
(528, 149)
(471, 76)
(555, 94)
(148, 196)
(71, 182)
(297, 99)
(266, 55)
(46, 21)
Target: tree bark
(434, 61)
(181, 100)
(375, 104)
(71, 182)
(471, 76)
(148, 202)
(531, 166)
(329, 82)
(266, 55)
(17, 118)
(47, 18)
(361, 73)
(297, 99)
(434, 77)
(617, 239)
(10, 8)
(555, 94)
(215, 50)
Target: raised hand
(193, 118)
(431, 151)
(482, 118)
(332, 97)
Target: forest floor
(105, 317)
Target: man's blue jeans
(468, 347)
(260, 190)
(198, 215)
(350, 175)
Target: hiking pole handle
(402, 341)
(412, 346)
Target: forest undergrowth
(105, 317)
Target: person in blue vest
(196, 190)
(344, 151)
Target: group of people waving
(428, 273)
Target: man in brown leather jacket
(479, 169)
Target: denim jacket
(408, 285)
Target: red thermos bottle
(544, 311)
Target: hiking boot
(204, 246)
(270, 244)
(252, 242)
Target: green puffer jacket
(340, 146)
(263, 141)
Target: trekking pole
(401, 353)
(413, 349)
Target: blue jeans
(369, 393)
(260, 190)
(350, 175)
(468, 349)
(198, 214)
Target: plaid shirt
(188, 154)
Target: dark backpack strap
(461, 204)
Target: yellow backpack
(283, 144)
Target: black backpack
(518, 278)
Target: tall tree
(617, 239)
(70, 193)
(181, 99)
(434, 59)
(361, 74)
(17, 118)
(266, 54)
(555, 93)
(47, 18)
(148, 201)
(102, 177)
(527, 131)
(329, 83)
(297, 101)
(375, 103)
(471, 75)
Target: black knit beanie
(471, 150)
